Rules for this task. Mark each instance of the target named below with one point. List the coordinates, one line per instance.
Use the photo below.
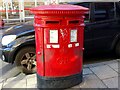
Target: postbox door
(39, 35)
(63, 51)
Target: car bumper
(5, 54)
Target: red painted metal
(1, 23)
(63, 58)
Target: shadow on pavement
(99, 57)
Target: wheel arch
(25, 45)
(115, 42)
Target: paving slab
(87, 71)
(104, 72)
(113, 65)
(92, 81)
(14, 89)
(117, 70)
(102, 76)
(112, 61)
(111, 82)
(15, 84)
(1, 80)
(102, 63)
(85, 66)
(18, 78)
(118, 60)
(32, 89)
(119, 66)
(34, 86)
(31, 76)
(1, 86)
(119, 82)
(31, 79)
(96, 64)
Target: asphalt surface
(6, 70)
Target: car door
(102, 21)
(88, 35)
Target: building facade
(18, 10)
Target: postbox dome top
(59, 10)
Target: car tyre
(26, 60)
(118, 48)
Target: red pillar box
(59, 31)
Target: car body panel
(13, 48)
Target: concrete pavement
(97, 75)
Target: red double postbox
(59, 31)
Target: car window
(84, 4)
(87, 5)
(104, 11)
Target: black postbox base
(62, 82)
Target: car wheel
(26, 60)
(118, 49)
